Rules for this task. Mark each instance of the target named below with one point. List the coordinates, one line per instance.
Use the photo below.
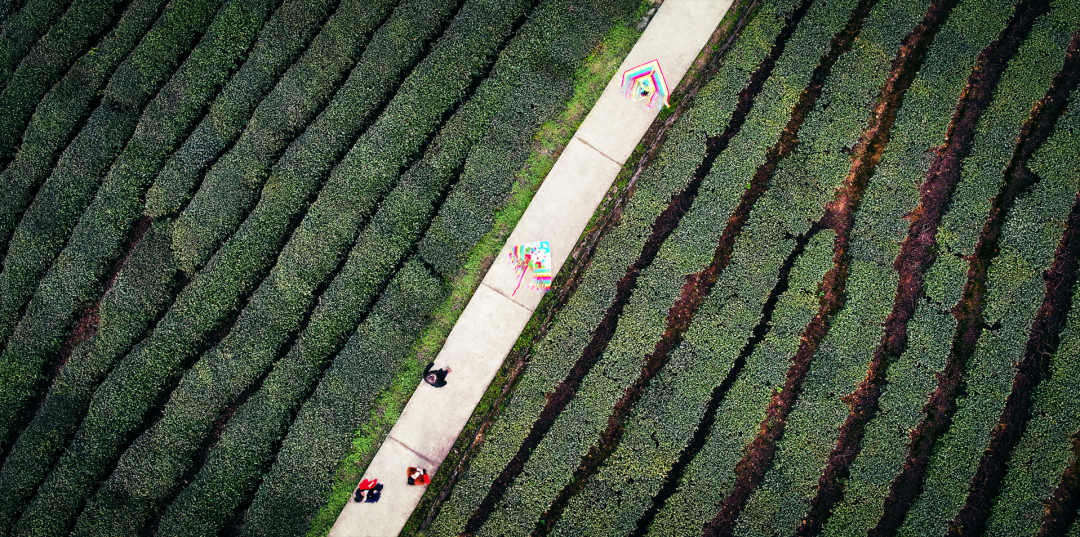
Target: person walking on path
(418, 476)
(436, 378)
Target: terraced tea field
(226, 222)
(833, 292)
(837, 299)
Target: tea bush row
(139, 296)
(1015, 289)
(782, 211)
(48, 60)
(556, 353)
(282, 41)
(842, 357)
(921, 124)
(230, 188)
(673, 405)
(273, 312)
(59, 206)
(1045, 449)
(138, 382)
(63, 109)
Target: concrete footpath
(493, 319)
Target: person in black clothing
(436, 378)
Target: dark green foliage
(60, 205)
(1045, 450)
(141, 293)
(232, 185)
(555, 354)
(280, 43)
(23, 29)
(296, 486)
(46, 63)
(921, 125)
(62, 111)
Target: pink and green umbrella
(534, 256)
(646, 81)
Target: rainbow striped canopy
(646, 81)
(535, 256)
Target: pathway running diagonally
(495, 317)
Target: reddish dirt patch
(1061, 509)
(944, 174)
(664, 224)
(839, 216)
(1049, 318)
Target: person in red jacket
(418, 476)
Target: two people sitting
(368, 491)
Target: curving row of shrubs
(98, 241)
(141, 293)
(62, 111)
(555, 354)
(688, 250)
(921, 124)
(227, 192)
(284, 38)
(1044, 451)
(22, 29)
(1015, 285)
(674, 403)
(71, 200)
(841, 360)
(52, 55)
(398, 224)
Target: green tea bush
(280, 44)
(555, 354)
(296, 486)
(1024, 82)
(63, 110)
(24, 28)
(139, 380)
(1045, 449)
(48, 223)
(50, 58)
(843, 356)
(233, 184)
(1014, 291)
(674, 402)
(388, 236)
(99, 238)
(141, 293)
(921, 125)
(688, 250)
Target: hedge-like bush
(281, 42)
(555, 354)
(1024, 82)
(60, 205)
(1014, 290)
(50, 58)
(63, 109)
(141, 293)
(690, 248)
(921, 125)
(22, 30)
(137, 383)
(391, 234)
(232, 185)
(1045, 449)
(296, 486)
(843, 356)
(673, 404)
